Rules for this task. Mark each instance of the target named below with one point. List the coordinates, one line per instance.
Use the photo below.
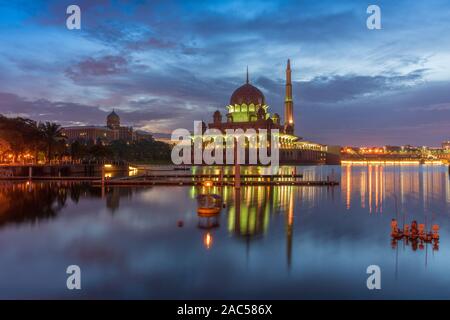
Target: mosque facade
(248, 109)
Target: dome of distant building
(113, 120)
(247, 94)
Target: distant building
(392, 149)
(446, 145)
(86, 134)
(141, 135)
(104, 134)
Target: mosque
(248, 110)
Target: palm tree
(51, 134)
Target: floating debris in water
(416, 234)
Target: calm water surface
(269, 242)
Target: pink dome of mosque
(247, 94)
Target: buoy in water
(394, 227)
(435, 232)
(180, 223)
(421, 230)
(406, 230)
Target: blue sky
(163, 64)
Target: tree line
(25, 140)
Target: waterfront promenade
(121, 174)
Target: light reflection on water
(268, 242)
(425, 186)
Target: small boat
(208, 211)
(209, 204)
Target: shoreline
(193, 180)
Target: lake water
(281, 242)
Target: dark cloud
(103, 66)
(335, 89)
(174, 83)
(44, 110)
(279, 27)
(151, 43)
(341, 88)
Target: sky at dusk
(163, 64)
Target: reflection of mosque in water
(249, 211)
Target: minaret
(247, 76)
(288, 103)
